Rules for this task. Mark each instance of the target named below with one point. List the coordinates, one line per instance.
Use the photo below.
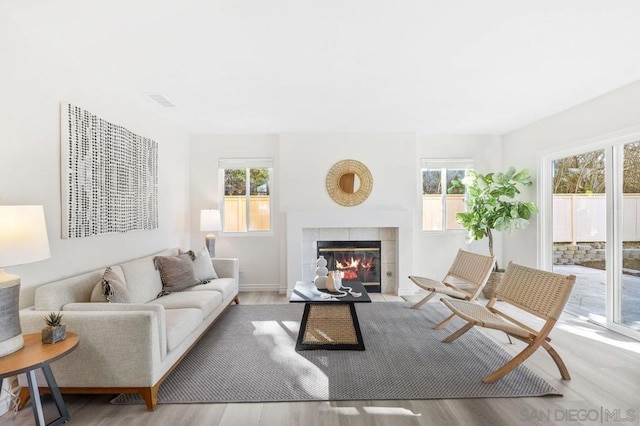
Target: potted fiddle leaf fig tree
(492, 204)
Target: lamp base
(10, 332)
(210, 243)
(11, 345)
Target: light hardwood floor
(605, 388)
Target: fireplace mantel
(402, 220)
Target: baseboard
(259, 287)
(407, 291)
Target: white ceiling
(432, 67)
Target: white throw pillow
(203, 266)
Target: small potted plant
(55, 331)
(492, 205)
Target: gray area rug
(249, 356)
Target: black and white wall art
(109, 176)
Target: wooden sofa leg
(24, 396)
(150, 396)
(236, 299)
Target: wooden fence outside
(576, 217)
(583, 218)
(432, 211)
(235, 213)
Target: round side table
(32, 356)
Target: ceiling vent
(161, 100)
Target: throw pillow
(176, 272)
(111, 289)
(202, 265)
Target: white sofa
(130, 347)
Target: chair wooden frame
(465, 279)
(540, 293)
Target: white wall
(394, 162)
(613, 113)
(34, 80)
(259, 255)
(305, 159)
(434, 251)
(302, 161)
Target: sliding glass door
(579, 229)
(627, 305)
(593, 230)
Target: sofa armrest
(116, 348)
(128, 307)
(227, 268)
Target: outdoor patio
(588, 295)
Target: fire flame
(349, 268)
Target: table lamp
(210, 222)
(23, 239)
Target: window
(443, 194)
(247, 194)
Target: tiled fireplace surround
(386, 236)
(391, 227)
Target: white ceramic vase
(321, 273)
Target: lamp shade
(210, 220)
(23, 235)
(23, 239)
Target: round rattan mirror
(349, 182)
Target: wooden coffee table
(329, 322)
(32, 356)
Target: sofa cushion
(226, 286)
(142, 277)
(207, 302)
(176, 272)
(111, 289)
(180, 323)
(53, 296)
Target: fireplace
(356, 260)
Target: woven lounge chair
(541, 293)
(465, 279)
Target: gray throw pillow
(176, 272)
(202, 265)
(110, 289)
